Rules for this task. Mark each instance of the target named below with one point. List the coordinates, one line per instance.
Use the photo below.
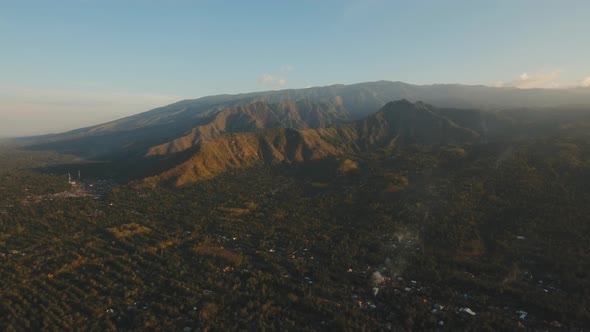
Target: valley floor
(421, 238)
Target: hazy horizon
(89, 62)
(313, 165)
(127, 108)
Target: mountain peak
(404, 105)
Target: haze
(85, 62)
(307, 165)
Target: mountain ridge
(397, 123)
(167, 129)
(302, 114)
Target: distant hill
(256, 116)
(397, 123)
(179, 126)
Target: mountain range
(197, 139)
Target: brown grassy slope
(244, 150)
(254, 117)
(396, 123)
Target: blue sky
(68, 63)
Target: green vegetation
(497, 228)
(397, 123)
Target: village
(388, 280)
(94, 188)
(269, 235)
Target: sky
(65, 64)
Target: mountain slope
(176, 127)
(180, 132)
(396, 123)
(253, 117)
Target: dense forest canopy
(333, 165)
(483, 233)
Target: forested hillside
(180, 125)
(196, 166)
(482, 237)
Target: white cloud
(270, 81)
(287, 68)
(275, 80)
(530, 81)
(266, 79)
(548, 80)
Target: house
(467, 311)
(438, 307)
